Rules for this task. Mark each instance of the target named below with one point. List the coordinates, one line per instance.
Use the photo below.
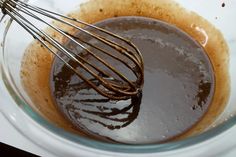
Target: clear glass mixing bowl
(14, 40)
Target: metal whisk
(113, 84)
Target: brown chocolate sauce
(178, 86)
(193, 116)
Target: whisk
(113, 84)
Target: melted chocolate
(178, 87)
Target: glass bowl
(27, 120)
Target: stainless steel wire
(114, 84)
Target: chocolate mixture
(186, 82)
(178, 86)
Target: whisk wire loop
(108, 82)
